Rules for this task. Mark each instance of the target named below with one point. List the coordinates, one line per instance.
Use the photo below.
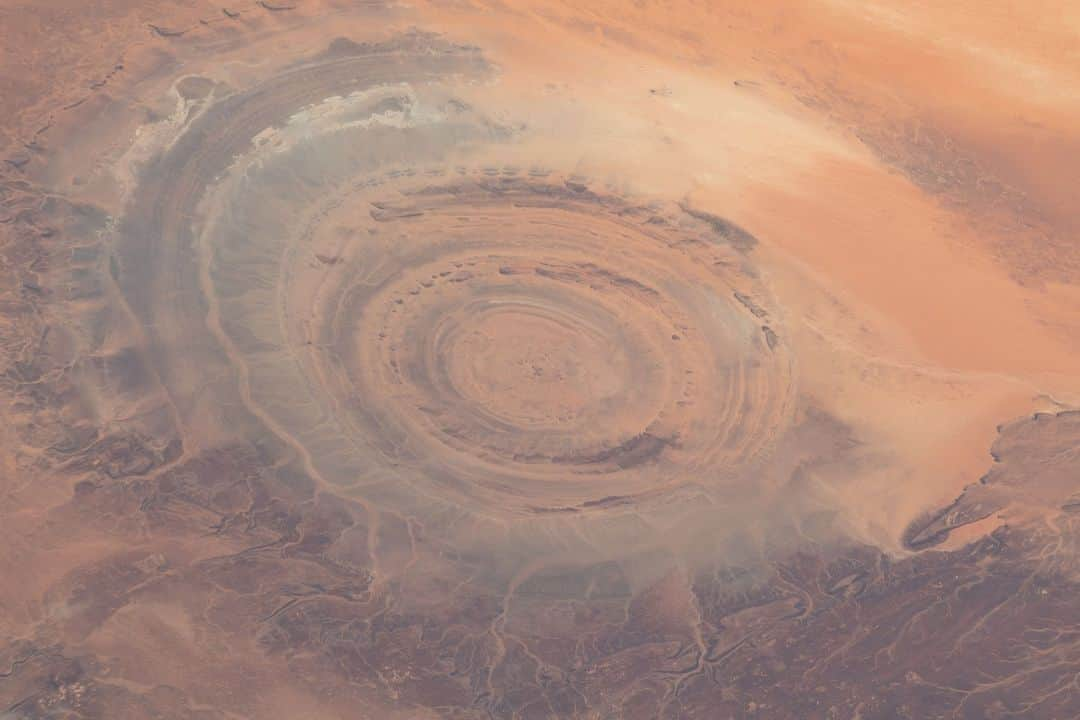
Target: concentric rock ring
(475, 336)
(524, 341)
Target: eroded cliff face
(529, 361)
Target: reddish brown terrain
(525, 360)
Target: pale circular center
(531, 369)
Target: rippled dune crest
(526, 360)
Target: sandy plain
(525, 360)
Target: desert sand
(531, 360)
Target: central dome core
(530, 367)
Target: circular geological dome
(529, 338)
(354, 371)
(461, 330)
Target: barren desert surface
(512, 359)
